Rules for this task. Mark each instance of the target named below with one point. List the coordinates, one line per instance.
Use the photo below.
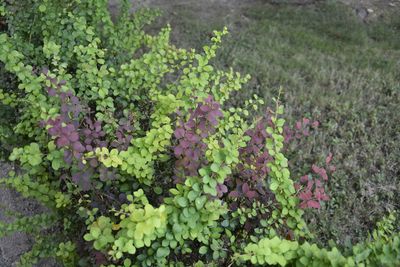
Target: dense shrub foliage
(131, 144)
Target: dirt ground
(11, 247)
(372, 9)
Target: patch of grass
(336, 69)
(386, 30)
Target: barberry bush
(134, 148)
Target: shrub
(380, 250)
(132, 146)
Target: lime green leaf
(42, 8)
(95, 232)
(215, 167)
(203, 250)
(162, 252)
(273, 186)
(182, 202)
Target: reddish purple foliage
(123, 134)
(221, 190)
(300, 129)
(320, 171)
(311, 192)
(77, 133)
(249, 183)
(311, 189)
(190, 148)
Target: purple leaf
(205, 108)
(78, 147)
(53, 80)
(184, 144)
(251, 194)
(178, 151)
(51, 92)
(102, 143)
(73, 137)
(234, 194)
(64, 108)
(190, 124)
(245, 188)
(189, 153)
(53, 131)
(221, 188)
(179, 133)
(68, 156)
(77, 155)
(305, 195)
(63, 96)
(87, 132)
(192, 137)
(70, 93)
(298, 125)
(81, 166)
(62, 141)
(74, 100)
(69, 128)
(97, 126)
(304, 178)
(94, 163)
(313, 204)
(114, 143)
(329, 158)
(88, 141)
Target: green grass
(336, 69)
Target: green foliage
(283, 252)
(385, 227)
(36, 189)
(48, 247)
(280, 182)
(66, 253)
(140, 224)
(32, 224)
(382, 250)
(101, 232)
(29, 155)
(192, 215)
